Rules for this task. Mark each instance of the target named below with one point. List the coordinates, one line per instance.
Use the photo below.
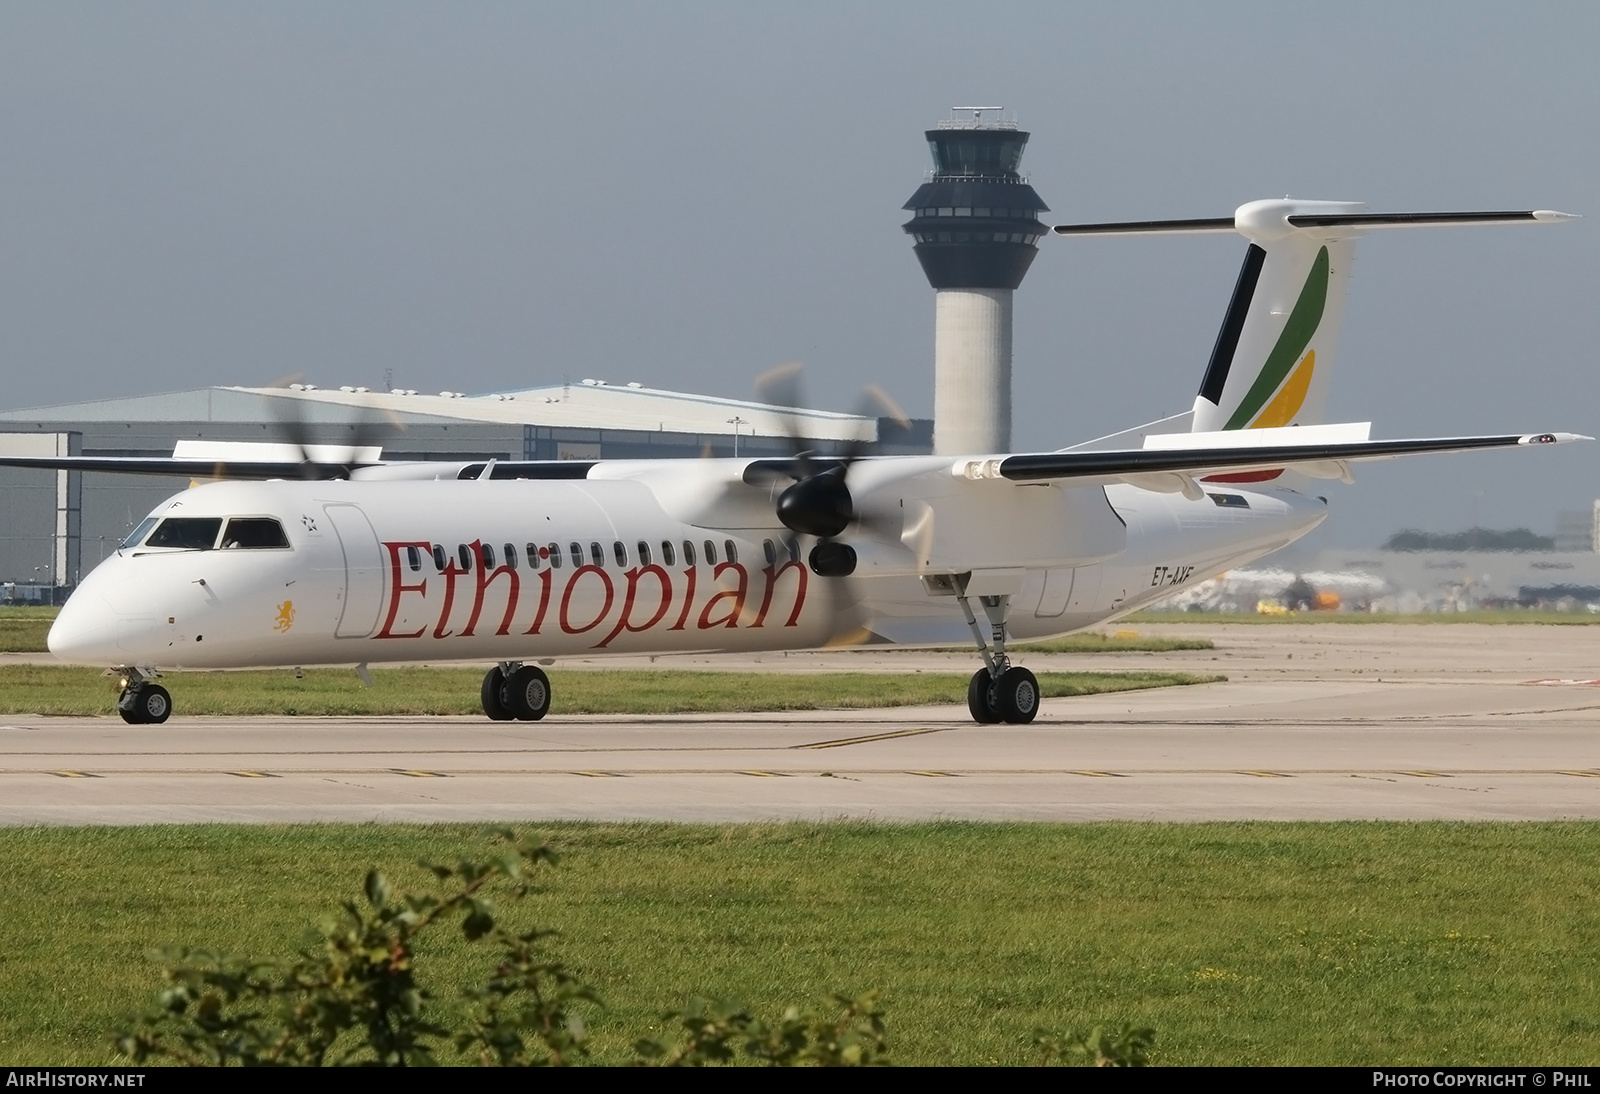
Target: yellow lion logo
(285, 616)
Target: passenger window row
(551, 554)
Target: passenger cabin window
(511, 555)
(465, 555)
(576, 551)
(413, 558)
(711, 553)
(487, 551)
(533, 556)
(770, 551)
(644, 553)
(622, 554)
(596, 553)
(186, 533)
(688, 553)
(555, 556)
(666, 552)
(438, 556)
(732, 551)
(138, 534)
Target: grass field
(1497, 617)
(1115, 642)
(60, 689)
(1356, 943)
(22, 630)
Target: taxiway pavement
(1331, 721)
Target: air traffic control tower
(977, 229)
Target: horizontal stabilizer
(1243, 223)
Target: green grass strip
(1120, 642)
(1509, 617)
(23, 630)
(1241, 943)
(59, 689)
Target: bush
(353, 997)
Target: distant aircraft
(336, 557)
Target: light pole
(736, 422)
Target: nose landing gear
(1000, 691)
(142, 702)
(512, 690)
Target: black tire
(129, 715)
(527, 694)
(151, 704)
(494, 685)
(980, 698)
(1017, 696)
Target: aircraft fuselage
(500, 571)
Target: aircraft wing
(184, 466)
(1175, 464)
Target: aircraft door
(1086, 588)
(362, 594)
(1057, 591)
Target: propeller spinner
(819, 502)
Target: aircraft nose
(84, 632)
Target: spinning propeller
(325, 461)
(819, 503)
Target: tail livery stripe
(1303, 321)
(1232, 325)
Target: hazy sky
(489, 196)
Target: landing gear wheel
(1016, 696)
(145, 704)
(494, 685)
(980, 698)
(526, 694)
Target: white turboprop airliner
(357, 561)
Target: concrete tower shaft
(976, 226)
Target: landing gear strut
(1000, 691)
(512, 690)
(142, 702)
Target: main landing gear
(512, 690)
(1000, 691)
(142, 703)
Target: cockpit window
(186, 533)
(254, 533)
(140, 532)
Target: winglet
(1553, 438)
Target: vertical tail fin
(1276, 347)
(1275, 350)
